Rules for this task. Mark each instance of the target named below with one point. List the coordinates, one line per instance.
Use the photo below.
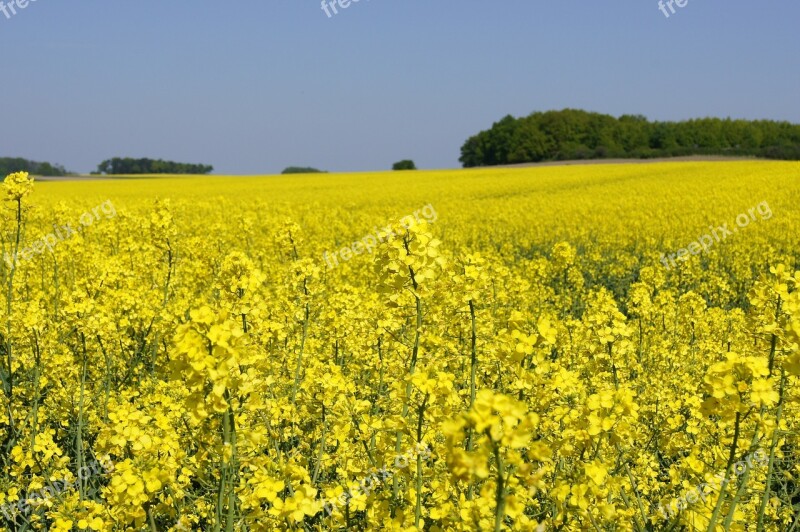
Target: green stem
(373, 441)
(321, 448)
(170, 257)
(8, 387)
(500, 493)
(37, 389)
(474, 354)
(79, 438)
(472, 374)
(299, 364)
(398, 447)
(420, 420)
(638, 499)
(735, 501)
(718, 507)
(771, 466)
(107, 378)
(232, 466)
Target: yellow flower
(17, 186)
(597, 471)
(763, 393)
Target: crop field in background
(519, 349)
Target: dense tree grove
(129, 166)
(576, 134)
(302, 170)
(405, 164)
(9, 165)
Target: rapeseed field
(609, 347)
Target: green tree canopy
(576, 134)
(129, 166)
(302, 170)
(9, 165)
(405, 164)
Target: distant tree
(302, 170)
(499, 144)
(405, 164)
(472, 151)
(576, 134)
(9, 165)
(129, 166)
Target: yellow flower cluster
(528, 338)
(17, 186)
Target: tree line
(9, 165)
(302, 170)
(576, 134)
(129, 166)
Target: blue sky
(252, 86)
